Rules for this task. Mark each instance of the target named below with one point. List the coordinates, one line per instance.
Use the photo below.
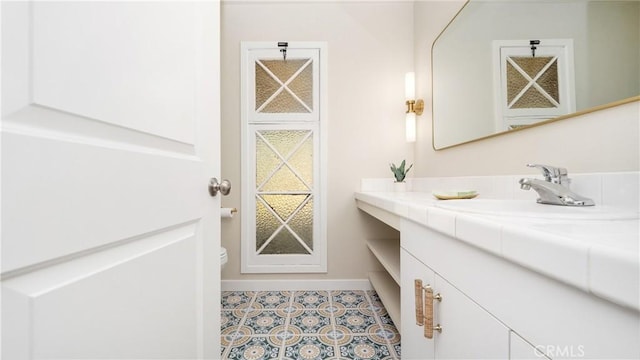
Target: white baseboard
(267, 285)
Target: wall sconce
(414, 107)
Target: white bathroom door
(110, 133)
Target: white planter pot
(399, 186)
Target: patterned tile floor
(309, 325)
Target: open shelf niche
(387, 283)
(387, 251)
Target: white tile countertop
(601, 257)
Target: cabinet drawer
(467, 330)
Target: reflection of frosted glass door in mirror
(532, 83)
(606, 45)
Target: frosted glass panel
(531, 65)
(284, 86)
(266, 161)
(284, 179)
(283, 70)
(302, 85)
(284, 243)
(292, 170)
(302, 224)
(284, 141)
(302, 161)
(266, 86)
(284, 205)
(549, 81)
(266, 224)
(532, 82)
(284, 102)
(532, 98)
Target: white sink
(531, 209)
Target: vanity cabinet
(509, 291)
(519, 349)
(494, 308)
(467, 330)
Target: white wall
(602, 141)
(370, 48)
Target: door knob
(214, 186)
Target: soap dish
(450, 195)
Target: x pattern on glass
(532, 81)
(284, 221)
(284, 86)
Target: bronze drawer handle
(428, 313)
(418, 302)
(424, 307)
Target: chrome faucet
(554, 189)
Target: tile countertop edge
(545, 253)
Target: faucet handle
(553, 174)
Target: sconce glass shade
(410, 86)
(410, 127)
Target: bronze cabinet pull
(418, 302)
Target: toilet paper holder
(228, 212)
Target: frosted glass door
(282, 221)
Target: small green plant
(399, 172)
